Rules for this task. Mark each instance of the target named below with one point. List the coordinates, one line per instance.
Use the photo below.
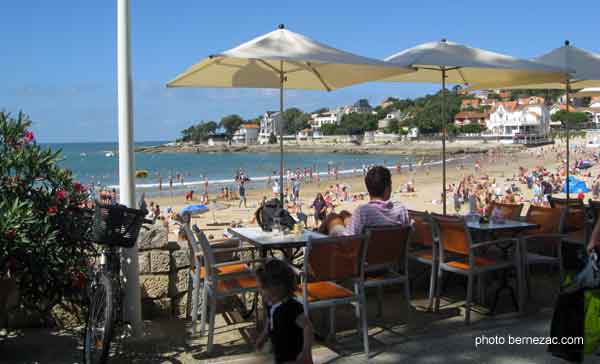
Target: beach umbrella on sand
(200, 209)
(583, 70)
(284, 59)
(448, 62)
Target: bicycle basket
(117, 225)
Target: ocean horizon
(98, 164)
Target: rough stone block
(181, 259)
(154, 286)
(179, 282)
(144, 259)
(160, 261)
(156, 237)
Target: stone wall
(164, 277)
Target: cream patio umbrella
(448, 62)
(583, 70)
(284, 59)
(588, 92)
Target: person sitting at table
(287, 326)
(379, 211)
(346, 216)
(332, 225)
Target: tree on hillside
(426, 112)
(573, 119)
(550, 96)
(472, 128)
(199, 132)
(357, 123)
(330, 129)
(393, 127)
(294, 120)
(321, 110)
(231, 123)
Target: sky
(58, 62)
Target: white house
(510, 118)
(247, 134)
(331, 117)
(269, 124)
(593, 112)
(393, 115)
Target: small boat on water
(109, 154)
(142, 173)
(83, 154)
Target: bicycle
(114, 227)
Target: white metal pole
(131, 301)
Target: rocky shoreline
(400, 148)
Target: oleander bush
(43, 221)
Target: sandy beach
(501, 165)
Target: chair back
(547, 219)
(573, 219)
(207, 252)
(452, 233)
(192, 243)
(387, 245)
(422, 232)
(507, 211)
(335, 259)
(593, 211)
(562, 202)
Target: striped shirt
(377, 213)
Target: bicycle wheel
(99, 325)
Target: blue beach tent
(575, 186)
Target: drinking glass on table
(277, 225)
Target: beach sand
(426, 180)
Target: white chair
(215, 280)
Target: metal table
(490, 229)
(268, 240)
(506, 226)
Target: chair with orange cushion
(327, 263)
(387, 260)
(542, 245)
(215, 280)
(423, 247)
(458, 254)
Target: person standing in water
(242, 192)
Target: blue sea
(94, 163)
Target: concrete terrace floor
(397, 337)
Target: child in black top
(288, 328)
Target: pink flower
(78, 187)
(61, 194)
(52, 210)
(28, 136)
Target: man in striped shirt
(380, 211)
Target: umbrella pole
(444, 140)
(568, 89)
(281, 79)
